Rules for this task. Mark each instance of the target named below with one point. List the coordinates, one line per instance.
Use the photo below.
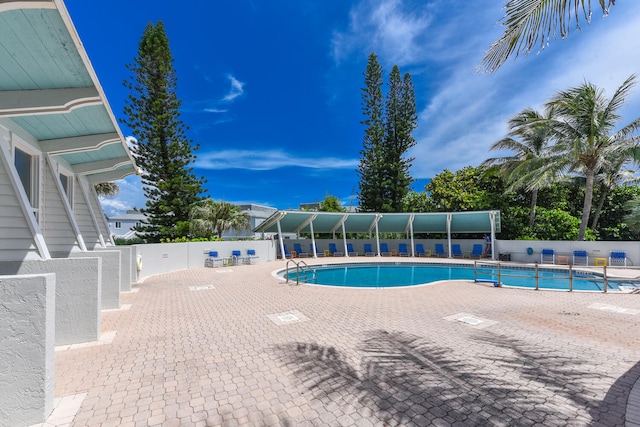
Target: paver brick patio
(359, 357)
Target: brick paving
(239, 347)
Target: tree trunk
(532, 211)
(586, 208)
(604, 192)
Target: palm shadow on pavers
(563, 388)
(404, 379)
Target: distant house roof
(49, 89)
(130, 215)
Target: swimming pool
(391, 275)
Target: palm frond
(529, 23)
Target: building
(121, 226)
(58, 265)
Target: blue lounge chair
(440, 250)
(299, 252)
(456, 252)
(334, 251)
(580, 258)
(350, 250)
(213, 260)
(548, 255)
(402, 249)
(368, 251)
(287, 254)
(384, 249)
(618, 258)
(476, 252)
(421, 252)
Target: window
(118, 225)
(27, 167)
(67, 185)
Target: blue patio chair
(477, 251)
(237, 257)
(251, 257)
(421, 252)
(213, 260)
(580, 258)
(456, 252)
(384, 249)
(334, 251)
(618, 258)
(548, 255)
(402, 249)
(350, 250)
(368, 251)
(299, 252)
(440, 250)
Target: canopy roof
(50, 92)
(331, 222)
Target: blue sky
(271, 89)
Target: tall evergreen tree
(371, 165)
(384, 167)
(163, 150)
(400, 123)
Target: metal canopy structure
(49, 90)
(408, 223)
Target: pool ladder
(302, 271)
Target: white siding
(16, 240)
(98, 212)
(84, 220)
(55, 223)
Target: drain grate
(470, 320)
(613, 308)
(287, 317)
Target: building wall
(78, 294)
(55, 223)
(517, 249)
(85, 218)
(110, 276)
(165, 257)
(17, 236)
(26, 348)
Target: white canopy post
(413, 249)
(377, 240)
(492, 219)
(281, 240)
(449, 216)
(313, 241)
(344, 239)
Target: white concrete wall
(466, 245)
(165, 257)
(27, 310)
(600, 249)
(111, 273)
(127, 264)
(78, 295)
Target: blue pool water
(396, 275)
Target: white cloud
(215, 110)
(386, 27)
(268, 160)
(236, 90)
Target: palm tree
(616, 172)
(586, 141)
(210, 216)
(528, 153)
(529, 22)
